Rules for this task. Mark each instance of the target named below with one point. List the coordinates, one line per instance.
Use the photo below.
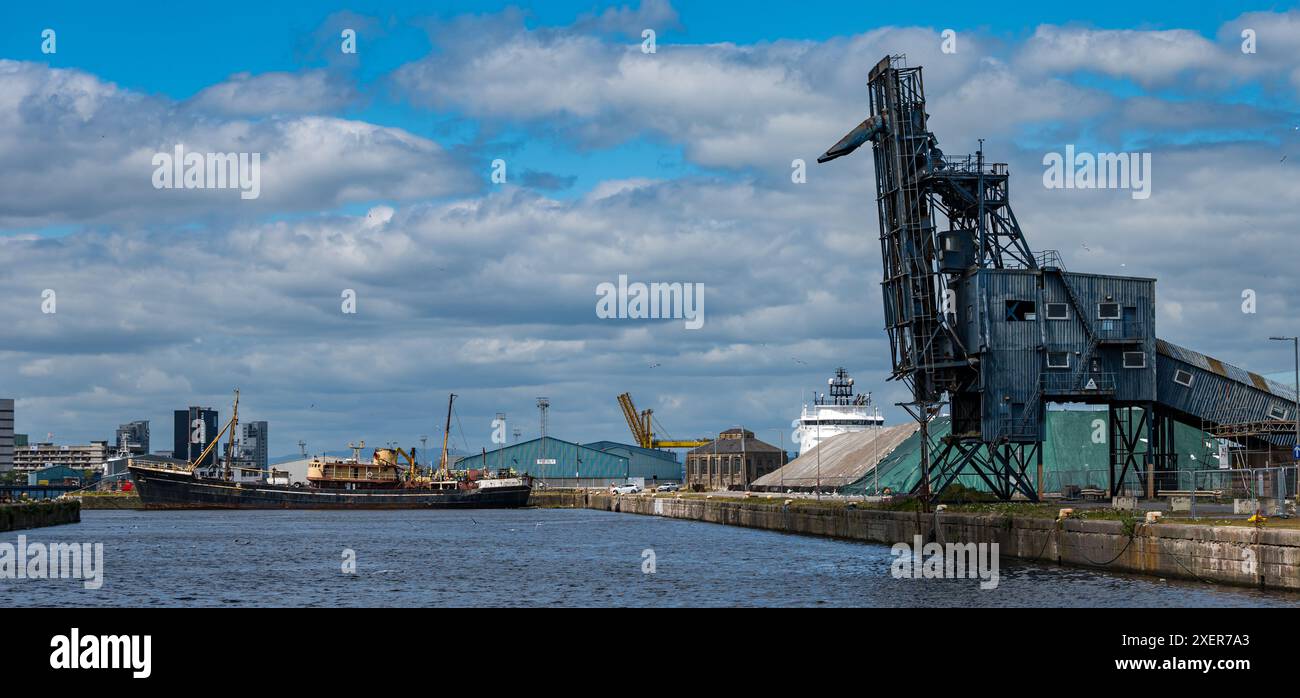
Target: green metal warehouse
(558, 463)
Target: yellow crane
(642, 426)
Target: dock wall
(1237, 555)
(36, 514)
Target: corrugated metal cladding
(648, 463)
(553, 459)
(1219, 392)
(1002, 315)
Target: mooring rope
(1113, 559)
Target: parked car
(625, 489)
(670, 487)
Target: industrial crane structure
(642, 426)
(979, 322)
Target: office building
(252, 444)
(193, 430)
(6, 435)
(133, 437)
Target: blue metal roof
(551, 458)
(649, 452)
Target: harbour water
(533, 557)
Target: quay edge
(1233, 555)
(21, 515)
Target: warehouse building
(733, 461)
(557, 463)
(1076, 454)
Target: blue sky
(666, 167)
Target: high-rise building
(252, 443)
(6, 435)
(194, 429)
(133, 437)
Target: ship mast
(213, 444)
(442, 465)
(234, 422)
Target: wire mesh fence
(1269, 491)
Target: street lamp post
(781, 463)
(1295, 345)
(819, 455)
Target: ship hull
(162, 489)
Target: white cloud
(78, 149)
(245, 94)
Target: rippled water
(533, 557)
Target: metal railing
(1089, 483)
(1121, 330)
(1049, 258)
(1018, 429)
(1068, 383)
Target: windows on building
(1058, 311)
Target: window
(1135, 359)
(1276, 413)
(1183, 378)
(1058, 359)
(1021, 311)
(1058, 311)
(1108, 311)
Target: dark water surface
(533, 557)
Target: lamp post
(744, 467)
(780, 433)
(819, 455)
(1295, 345)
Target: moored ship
(382, 483)
(840, 413)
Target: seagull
(655, 365)
(798, 361)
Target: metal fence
(1269, 491)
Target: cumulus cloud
(245, 94)
(79, 149)
(1177, 58)
(729, 105)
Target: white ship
(840, 413)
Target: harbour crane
(642, 426)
